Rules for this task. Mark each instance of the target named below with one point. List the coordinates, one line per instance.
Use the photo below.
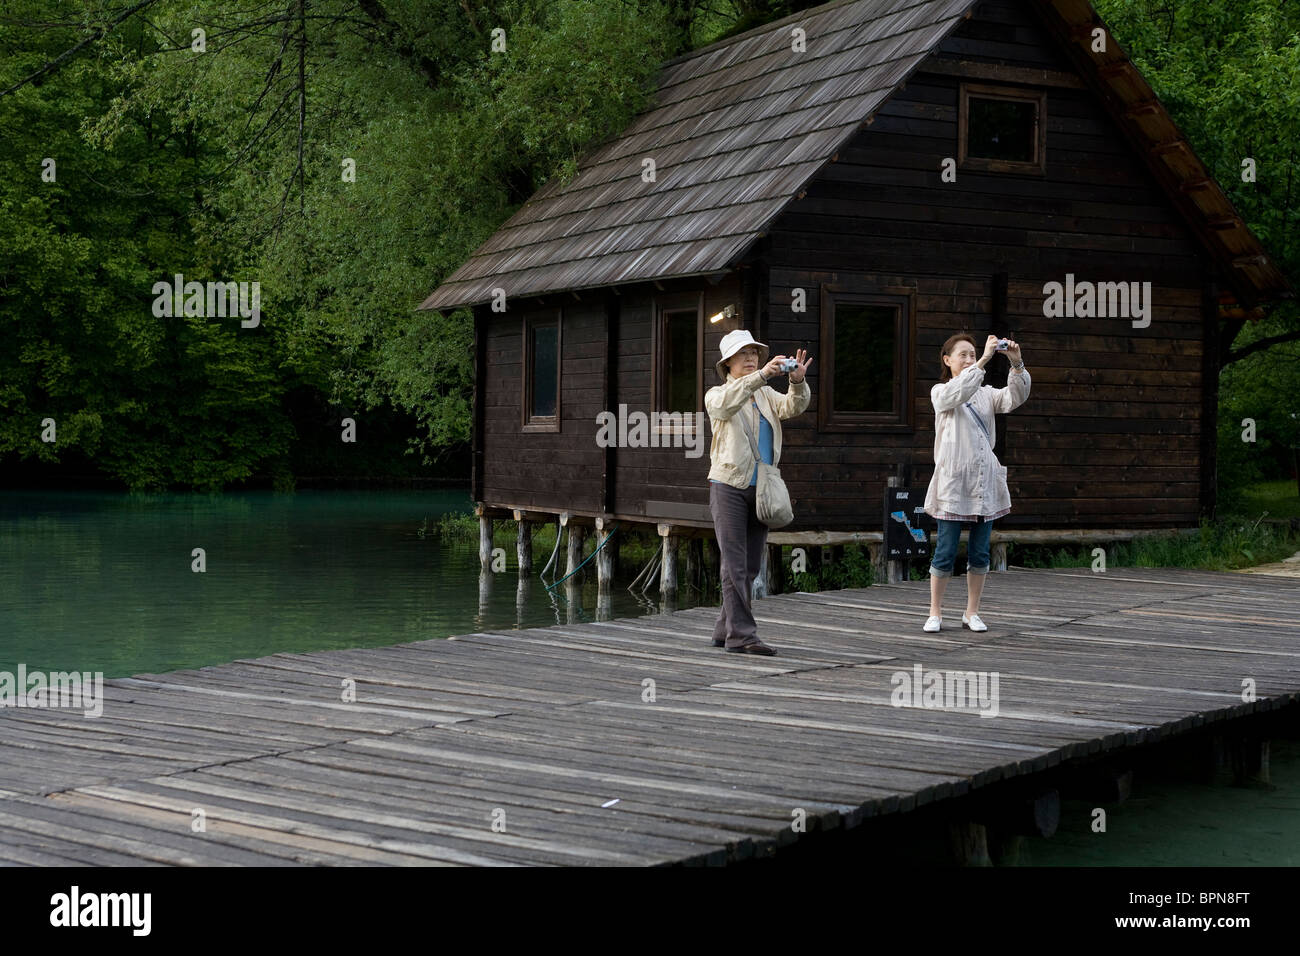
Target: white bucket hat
(732, 343)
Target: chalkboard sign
(907, 526)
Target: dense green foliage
(348, 191)
(1229, 73)
(348, 155)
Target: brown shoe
(719, 643)
(757, 647)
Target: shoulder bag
(772, 501)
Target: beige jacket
(730, 452)
(968, 478)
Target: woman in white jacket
(969, 485)
(745, 398)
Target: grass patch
(852, 570)
(1278, 498)
(1226, 544)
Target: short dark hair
(945, 372)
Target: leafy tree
(1229, 74)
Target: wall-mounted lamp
(728, 313)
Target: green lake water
(104, 582)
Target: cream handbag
(772, 502)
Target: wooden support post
(1107, 785)
(605, 559)
(523, 586)
(762, 583)
(694, 562)
(524, 546)
(776, 569)
(1007, 848)
(714, 562)
(577, 538)
(614, 548)
(668, 567)
(485, 543)
(1040, 814)
(998, 557)
(969, 843)
(573, 558)
(1037, 813)
(895, 570)
(1246, 757)
(1236, 757)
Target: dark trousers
(741, 539)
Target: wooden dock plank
(549, 724)
(291, 847)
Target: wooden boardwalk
(536, 730)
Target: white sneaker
(932, 623)
(973, 622)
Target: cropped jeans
(977, 547)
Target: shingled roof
(737, 129)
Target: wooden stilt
(761, 586)
(998, 557)
(605, 557)
(895, 571)
(714, 560)
(776, 569)
(969, 843)
(694, 562)
(1241, 758)
(485, 543)
(577, 538)
(668, 569)
(524, 547)
(522, 588)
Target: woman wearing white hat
(745, 370)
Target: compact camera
(1003, 344)
(789, 365)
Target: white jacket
(730, 453)
(968, 478)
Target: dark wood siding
(664, 474)
(1111, 434)
(555, 471)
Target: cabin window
(678, 349)
(866, 343)
(1002, 129)
(681, 360)
(541, 378)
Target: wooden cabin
(862, 180)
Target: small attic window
(1002, 129)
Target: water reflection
(103, 581)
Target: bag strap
(744, 423)
(980, 422)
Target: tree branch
(58, 61)
(1260, 344)
(375, 10)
